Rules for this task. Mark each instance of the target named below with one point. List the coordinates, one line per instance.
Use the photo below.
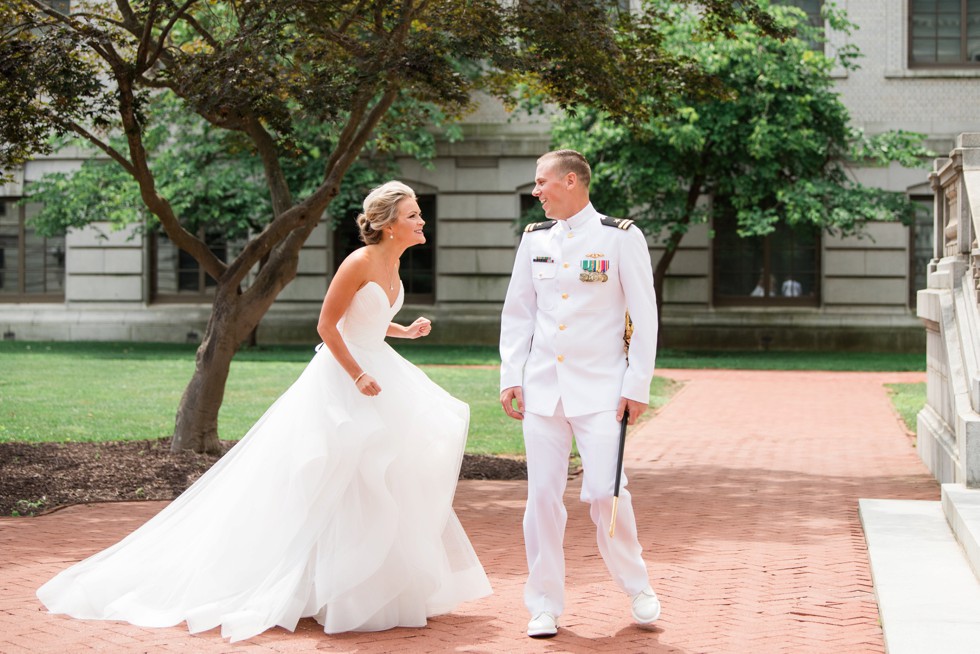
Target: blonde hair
(381, 209)
(570, 161)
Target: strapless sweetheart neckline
(391, 305)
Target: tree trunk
(658, 279)
(673, 242)
(234, 316)
(196, 425)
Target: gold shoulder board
(533, 227)
(619, 223)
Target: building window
(32, 267)
(811, 8)
(813, 11)
(531, 210)
(176, 276)
(418, 264)
(920, 246)
(779, 269)
(944, 33)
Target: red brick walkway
(746, 490)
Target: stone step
(962, 509)
(928, 596)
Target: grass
(908, 400)
(130, 391)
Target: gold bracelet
(358, 377)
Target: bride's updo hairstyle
(381, 209)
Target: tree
(256, 73)
(775, 148)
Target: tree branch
(129, 16)
(145, 39)
(98, 40)
(309, 210)
(266, 146)
(166, 32)
(344, 26)
(113, 153)
(102, 19)
(156, 203)
(206, 35)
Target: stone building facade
(823, 292)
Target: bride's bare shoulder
(358, 259)
(355, 270)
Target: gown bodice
(367, 318)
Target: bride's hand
(420, 327)
(367, 385)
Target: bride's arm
(350, 276)
(420, 327)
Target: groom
(565, 367)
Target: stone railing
(949, 425)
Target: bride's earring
(391, 234)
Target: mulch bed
(35, 478)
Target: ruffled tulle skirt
(335, 505)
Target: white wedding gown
(335, 505)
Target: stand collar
(580, 220)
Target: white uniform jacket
(561, 333)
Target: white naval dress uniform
(561, 340)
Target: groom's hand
(636, 409)
(507, 397)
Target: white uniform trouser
(548, 443)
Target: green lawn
(115, 391)
(908, 400)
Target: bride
(337, 504)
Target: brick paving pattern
(746, 489)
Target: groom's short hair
(570, 161)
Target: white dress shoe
(645, 607)
(543, 625)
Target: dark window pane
(973, 50)
(30, 264)
(177, 274)
(922, 251)
(781, 267)
(948, 51)
(812, 9)
(939, 34)
(9, 248)
(949, 28)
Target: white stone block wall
(104, 265)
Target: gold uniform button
(565, 265)
(561, 357)
(564, 296)
(561, 327)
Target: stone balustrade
(948, 427)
